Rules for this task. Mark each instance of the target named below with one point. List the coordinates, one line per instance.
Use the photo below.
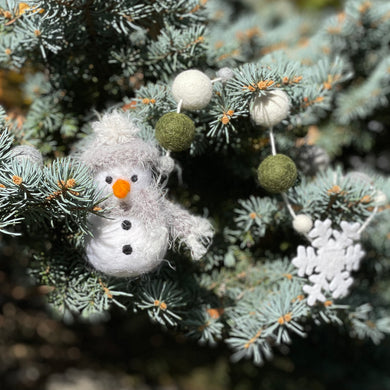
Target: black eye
(134, 178)
(109, 179)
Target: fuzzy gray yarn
(136, 152)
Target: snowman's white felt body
(117, 251)
(139, 224)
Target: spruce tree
(285, 257)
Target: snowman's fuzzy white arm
(147, 206)
(195, 232)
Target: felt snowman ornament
(140, 224)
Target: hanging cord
(179, 105)
(368, 220)
(272, 140)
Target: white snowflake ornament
(140, 224)
(329, 261)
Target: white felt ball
(194, 88)
(225, 74)
(270, 109)
(302, 223)
(166, 165)
(359, 177)
(26, 152)
(380, 198)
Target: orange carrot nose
(121, 188)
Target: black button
(109, 179)
(134, 178)
(127, 249)
(126, 225)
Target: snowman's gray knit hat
(116, 141)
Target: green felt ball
(277, 173)
(175, 131)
